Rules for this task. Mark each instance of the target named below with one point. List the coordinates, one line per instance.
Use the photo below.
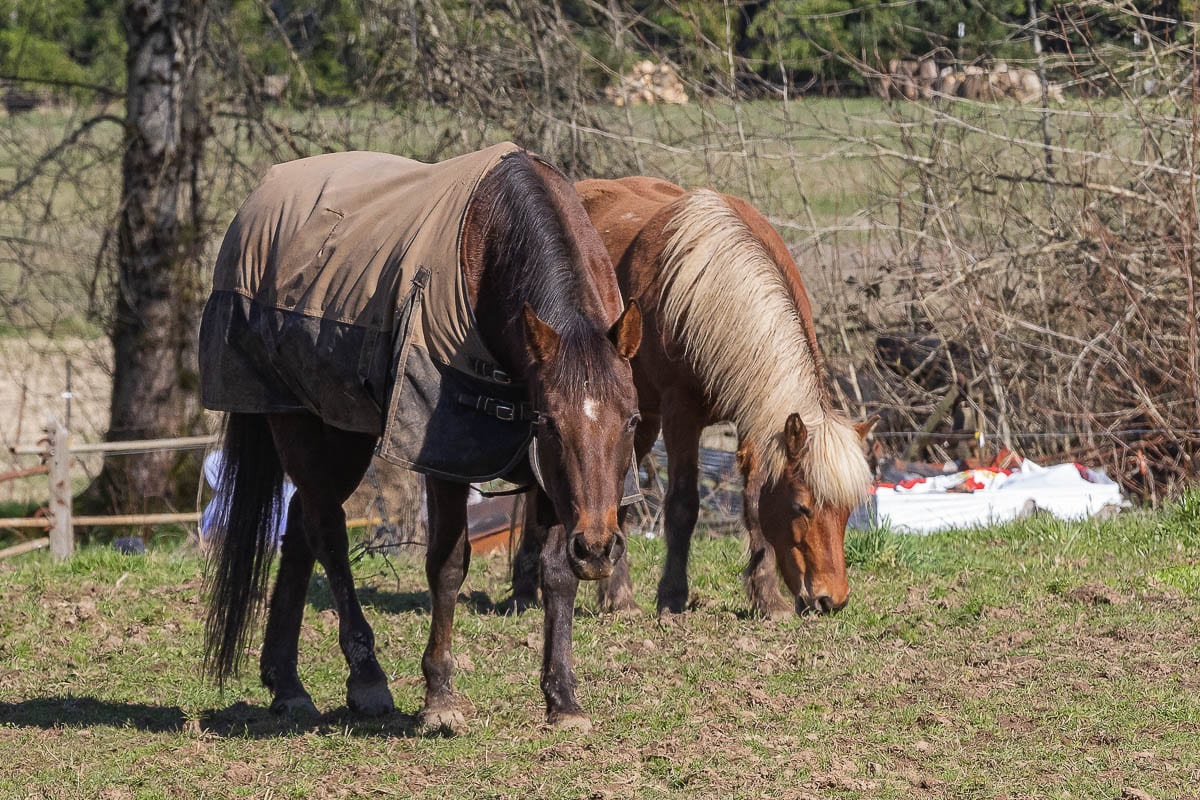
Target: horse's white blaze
(748, 342)
(589, 409)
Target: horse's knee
(557, 577)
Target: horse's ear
(865, 427)
(540, 338)
(626, 332)
(795, 435)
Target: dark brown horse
(728, 335)
(542, 298)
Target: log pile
(920, 79)
(648, 83)
(1001, 82)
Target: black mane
(532, 248)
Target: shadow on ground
(389, 602)
(87, 712)
(240, 720)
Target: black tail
(251, 487)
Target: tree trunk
(160, 285)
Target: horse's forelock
(834, 465)
(583, 367)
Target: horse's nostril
(616, 548)
(824, 604)
(579, 548)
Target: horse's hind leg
(277, 666)
(447, 557)
(326, 464)
(525, 562)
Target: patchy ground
(1042, 659)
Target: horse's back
(326, 236)
(621, 208)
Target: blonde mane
(749, 345)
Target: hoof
(672, 605)
(775, 608)
(441, 722)
(300, 707)
(570, 722)
(373, 700)
(669, 618)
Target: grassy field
(1040, 659)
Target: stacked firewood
(921, 79)
(648, 83)
(1001, 82)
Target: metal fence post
(62, 533)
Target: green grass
(1038, 659)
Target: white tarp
(208, 519)
(1067, 491)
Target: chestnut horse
(728, 335)
(546, 303)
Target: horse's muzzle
(592, 561)
(820, 604)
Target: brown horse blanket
(338, 290)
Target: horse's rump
(338, 290)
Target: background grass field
(1038, 659)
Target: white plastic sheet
(1065, 490)
(209, 517)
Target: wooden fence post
(62, 533)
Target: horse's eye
(548, 426)
(801, 510)
(633, 422)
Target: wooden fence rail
(58, 452)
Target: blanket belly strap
(500, 409)
(489, 371)
(430, 430)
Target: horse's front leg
(615, 593)
(760, 577)
(559, 586)
(447, 557)
(681, 434)
(277, 665)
